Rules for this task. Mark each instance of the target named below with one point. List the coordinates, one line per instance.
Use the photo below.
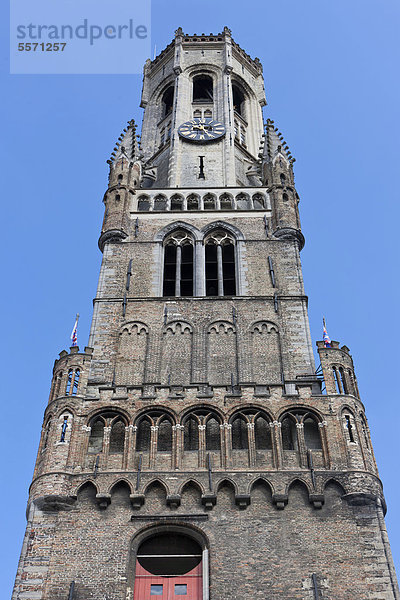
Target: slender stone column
(178, 271)
(220, 271)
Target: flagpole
(74, 333)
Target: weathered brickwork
(196, 409)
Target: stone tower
(192, 448)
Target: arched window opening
(178, 265)
(167, 101)
(164, 443)
(46, 434)
(202, 88)
(213, 437)
(76, 382)
(364, 430)
(220, 265)
(169, 565)
(285, 197)
(289, 436)
(238, 100)
(193, 202)
(176, 202)
(96, 436)
(282, 178)
(197, 114)
(143, 204)
(343, 381)
(258, 202)
(262, 433)
(120, 177)
(208, 114)
(335, 378)
(143, 436)
(242, 202)
(58, 385)
(191, 434)
(117, 437)
(69, 382)
(225, 202)
(209, 202)
(240, 438)
(160, 203)
(350, 428)
(312, 437)
(169, 269)
(64, 428)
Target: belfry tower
(192, 449)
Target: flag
(325, 336)
(74, 333)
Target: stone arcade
(191, 449)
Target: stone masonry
(202, 412)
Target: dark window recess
(349, 428)
(164, 437)
(176, 203)
(191, 434)
(282, 178)
(117, 437)
(312, 437)
(240, 439)
(160, 203)
(143, 436)
(335, 378)
(201, 168)
(143, 205)
(69, 381)
(169, 270)
(238, 100)
(169, 554)
(262, 433)
(187, 270)
(76, 382)
(193, 202)
(211, 270)
(96, 437)
(64, 429)
(213, 438)
(202, 88)
(167, 101)
(228, 266)
(343, 381)
(288, 434)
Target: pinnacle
(275, 143)
(126, 145)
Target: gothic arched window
(220, 264)
(167, 101)
(178, 265)
(238, 100)
(312, 439)
(288, 430)
(143, 436)
(164, 440)
(117, 436)
(203, 88)
(191, 434)
(262, 434)
(213, 437)
(96, 436)
(240, 439)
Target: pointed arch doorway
(169, 567)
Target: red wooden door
(158, 587)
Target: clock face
(201, 130)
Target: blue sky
(331, 75)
